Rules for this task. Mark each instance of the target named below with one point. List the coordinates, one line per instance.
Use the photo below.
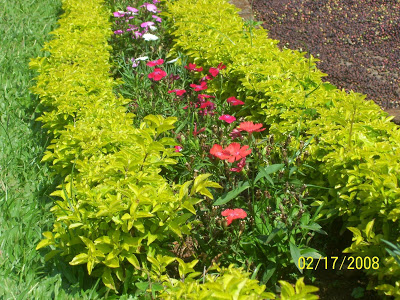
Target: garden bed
(220, 179)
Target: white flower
(142, 58)
(149, 37)
(152, 28)
(172, 61)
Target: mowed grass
(25, 183)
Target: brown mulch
(357, 41)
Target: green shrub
(233, 283)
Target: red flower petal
(234, 101)
(250, 127)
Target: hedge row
(355, 151)
(115, 213)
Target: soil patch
(357, 41)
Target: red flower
(157, 74)
(217, 151)
(227, 118)
(155, 62)
(178, 92)
(210, 105)
(235, 152)
(178, 148)
(233, 214)
(234, 101)
(202, 86)
(250, 127)
(192, 67)
(203, 96)
(195, 132)
(221, 66)
(213, 71)
(240, 165)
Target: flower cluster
(137, 28)
(157, 73)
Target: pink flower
(227, 118)
(213, 71)
(132, 26)
(157, 74)
(158, 19)
(150, 7)
(234, 101)
(178, 92)
(178, 148)
(156, 1)
(146, 24)
(202, 86)
(240, 166)
(119, 31)
(134, 63)
(155, 62)
(119, 14)
(233, 214)
(192, 67)
(136, 34)
(132, 9)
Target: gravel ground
(357, 41)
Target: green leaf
(51, 254)
(232, 194)
(112, 263)
(314, 227)
(287, 291)
(184, 190)
(265, 171)
(368, 228)
(79, 259)
(270, 270)
(151, 238)
(108, 279)
(157, 287)
(295, 253)
(44, 243)
(143, 286)
(133, 260)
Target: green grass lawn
(25, 183)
